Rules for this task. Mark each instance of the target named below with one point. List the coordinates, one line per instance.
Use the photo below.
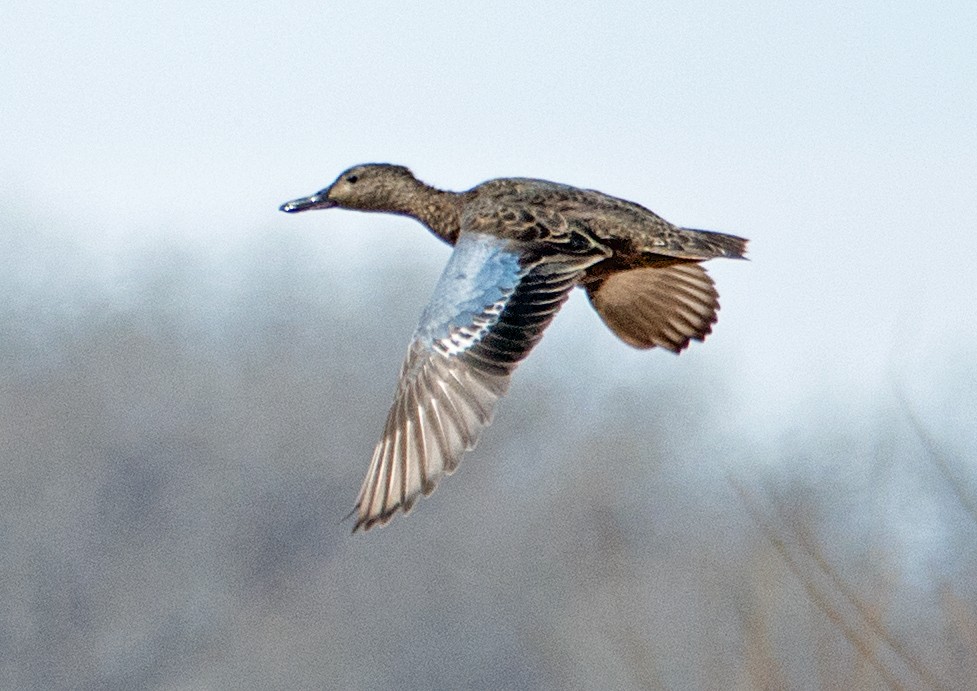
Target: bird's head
(366, 187)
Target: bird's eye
(352, 178)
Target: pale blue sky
(840, 138)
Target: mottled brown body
(538, 210)
(521, 245)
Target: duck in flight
(520, 247)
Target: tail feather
(708, 244)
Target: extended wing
(489, 309)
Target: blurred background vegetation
(191, 383)
(181, 441)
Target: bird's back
(628, 229)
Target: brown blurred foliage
(178, 450)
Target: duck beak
(316, 201)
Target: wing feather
(664, 306)
(488, 311)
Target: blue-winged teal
(520, 246)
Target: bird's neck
(439, 210)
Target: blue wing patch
(479, 278)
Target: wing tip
(365, 520)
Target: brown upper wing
(663, 306)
